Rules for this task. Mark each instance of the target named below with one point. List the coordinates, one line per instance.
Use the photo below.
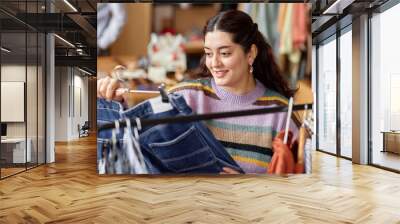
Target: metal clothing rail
(199, 117)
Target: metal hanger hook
(117, 126)
(138, 123)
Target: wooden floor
(70, 191)
(10, 171)
(387, 159)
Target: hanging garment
(118, 153)
(300, 167)
(244, 7)
(253, 11)
(170, 148)
(110, 21)
(134, 156)
(106, 112)
(307, 156)
(283, 160)
(299, 25)
(114, 158)
(285, 28)
(271, 22)
(292, 157)
(261, 19)
(266, 16)
(299, 33)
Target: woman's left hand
(227, 170)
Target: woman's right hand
(107, 89)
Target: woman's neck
(243, 87)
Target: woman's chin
(220, 82)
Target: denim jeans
(187, 147)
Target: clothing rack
(199, 117)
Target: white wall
(61, 103)
(82, 83)
(14, 73)
(71, 94)
(80, 102)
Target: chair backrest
(86, 125)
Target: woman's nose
(215, 61)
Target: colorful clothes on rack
(248, 139)
(170, 148)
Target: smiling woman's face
(226, 60)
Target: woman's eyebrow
(219, 48)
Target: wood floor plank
(70, 191)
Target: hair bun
(253, 33)
(255, 27)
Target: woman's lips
(220, 73)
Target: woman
(240, 73)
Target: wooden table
(105, 64)
(391, 141)
(194, 47)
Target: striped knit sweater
(247, 139)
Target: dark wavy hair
(245, 33)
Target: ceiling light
(5, 50)
(337, 7)
(65, 41)
(80, 51)
(84, 71)
(70, 5)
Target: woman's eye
(208, 54)
(225, 54)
